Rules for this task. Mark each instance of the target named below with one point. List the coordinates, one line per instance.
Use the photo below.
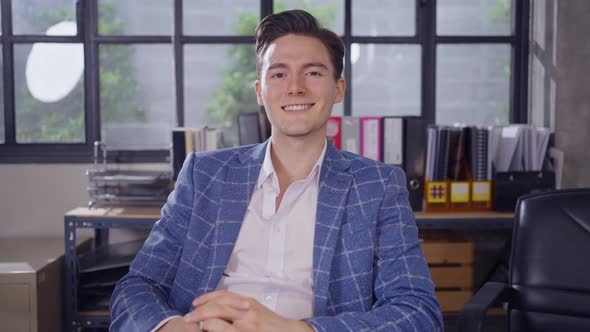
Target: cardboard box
(452, 276)
(448, 252)
(453, 301)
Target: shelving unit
(101, 220)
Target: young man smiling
(288, 235)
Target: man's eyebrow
(315, 64)
(307, 65)
(277, 65)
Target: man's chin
(297, 133)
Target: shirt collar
(268, 170)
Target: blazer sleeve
(140, 299)
(402, 285)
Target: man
(288, 235)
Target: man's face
(297, 86)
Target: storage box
(453, 300)
(451, 267)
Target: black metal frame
(73, 321)
(425, 36)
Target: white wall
(34, 197)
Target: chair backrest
(550, 262)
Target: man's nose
(296, 85)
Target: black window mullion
(384, 40)
(8, 74)
(347, 56)
(91, 84)
(134, 39)
(178, 63)
(217, 39)
(266, 8)
(475, 39)
(519, 79)
(44, 39)
(427, 34)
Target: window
(126, 72)
(474, 60)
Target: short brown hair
(298, 22)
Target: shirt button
(268, 298)
(277, 229)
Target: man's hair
(297, 22)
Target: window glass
(383, 17)
(137, 102)
(218, 84)
(135, 17)
(330, 13)
(34, 17)
(473, 84)
(386, 79)
(220, 17)
(468, 17)
(49, 93)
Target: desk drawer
(452, 276)
(453, 301)
(448, 252)
(14, 298)
(15, 307)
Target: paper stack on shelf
(113, 184)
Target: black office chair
(548, 285)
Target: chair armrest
(473, 314)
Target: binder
(249, 128)
(442, 149)
(458, 168)
(351, 134)
(431, 152)
(393, 141)
(371, 137)
(334, 131)
(481, 154)
(182, 145)
(414, 159)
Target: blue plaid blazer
(369, 273)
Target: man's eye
(314, 73)
(278, 75)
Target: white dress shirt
(272, 259)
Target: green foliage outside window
(63, 121)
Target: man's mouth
(297, 107)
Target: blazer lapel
(238, 185)
(332, 196)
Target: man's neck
(294, 158)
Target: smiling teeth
(296, 107)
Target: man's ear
(340, 88)
(258, 92)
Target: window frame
(87, 19)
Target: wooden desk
(484, 220)
(102, 219)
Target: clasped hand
(230, 312)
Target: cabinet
(31, 274)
